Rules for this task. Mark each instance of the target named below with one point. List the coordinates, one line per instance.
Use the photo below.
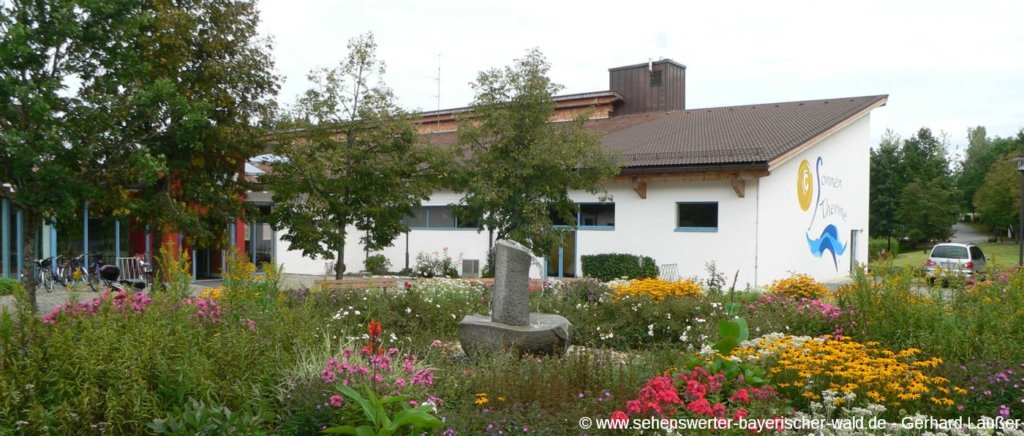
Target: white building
(764, 190)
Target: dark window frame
(579, 216)
(709, 229)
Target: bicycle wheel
(94, 282)
(47, 281)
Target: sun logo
(804, 185)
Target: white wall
(648, 227)
(783, 225)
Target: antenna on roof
(439, 92)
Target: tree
(927, 210)
(175, 111)
(977, 160)
(38, 52)
(886, 185)
(352, 161)
(117, 101)
(520, 165)
(998, 198)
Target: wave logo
(828, 240)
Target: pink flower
(619, 416)
(740, 414)
(718, 410)
(436, 343)
(336, 401)
(632, 406)
(327, 375)
(400, 382)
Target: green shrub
(606, 267)
(199, 418)
(7, 286)
(377, 264)
(878, 246)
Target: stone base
(546, 335)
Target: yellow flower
(481, 399)
(656, 289)
(799, 286)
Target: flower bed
(657, 289)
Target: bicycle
(74, 265)
(44, 273)
(97, 266)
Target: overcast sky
(946, 65)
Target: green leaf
(728, 329)
(368, 408)
(744, 333)
(418, 418)
(725, 345)
(341, 429)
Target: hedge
(605, 267)
(878, 245)
(7, 286)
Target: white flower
(699, 320)
(393, 337)
(408, 310)
(668, 315)
(358, 313)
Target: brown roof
(731, 135)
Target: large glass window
(437, 217)
(597, 215)
(697, 217)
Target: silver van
(959, 259)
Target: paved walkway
(965, 234)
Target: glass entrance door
(562, 259)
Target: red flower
(740, 414)
(718, 410)
(375, 329)
(633, 406)
(619, 416)
(700, 406)
(741, 396)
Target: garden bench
(668, 272)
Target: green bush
(878, 246)
(377, 264)
(605, 267)
(7, 286)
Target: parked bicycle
(75, 266)
(45, 274)
(95, 268)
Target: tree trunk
(32, 223)
(339, 267)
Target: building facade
(762, 191)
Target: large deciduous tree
(518, 165)
(349, 159)
(142, 108)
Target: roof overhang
(795, 151)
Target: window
(976, 254)
(655, 78)
(597, 215)
(697, 217)
(418, 218)
(437, 217)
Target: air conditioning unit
(470, 268)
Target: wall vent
(470, 268)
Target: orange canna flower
(375, 329)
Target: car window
(976, 254)
(949, 252)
